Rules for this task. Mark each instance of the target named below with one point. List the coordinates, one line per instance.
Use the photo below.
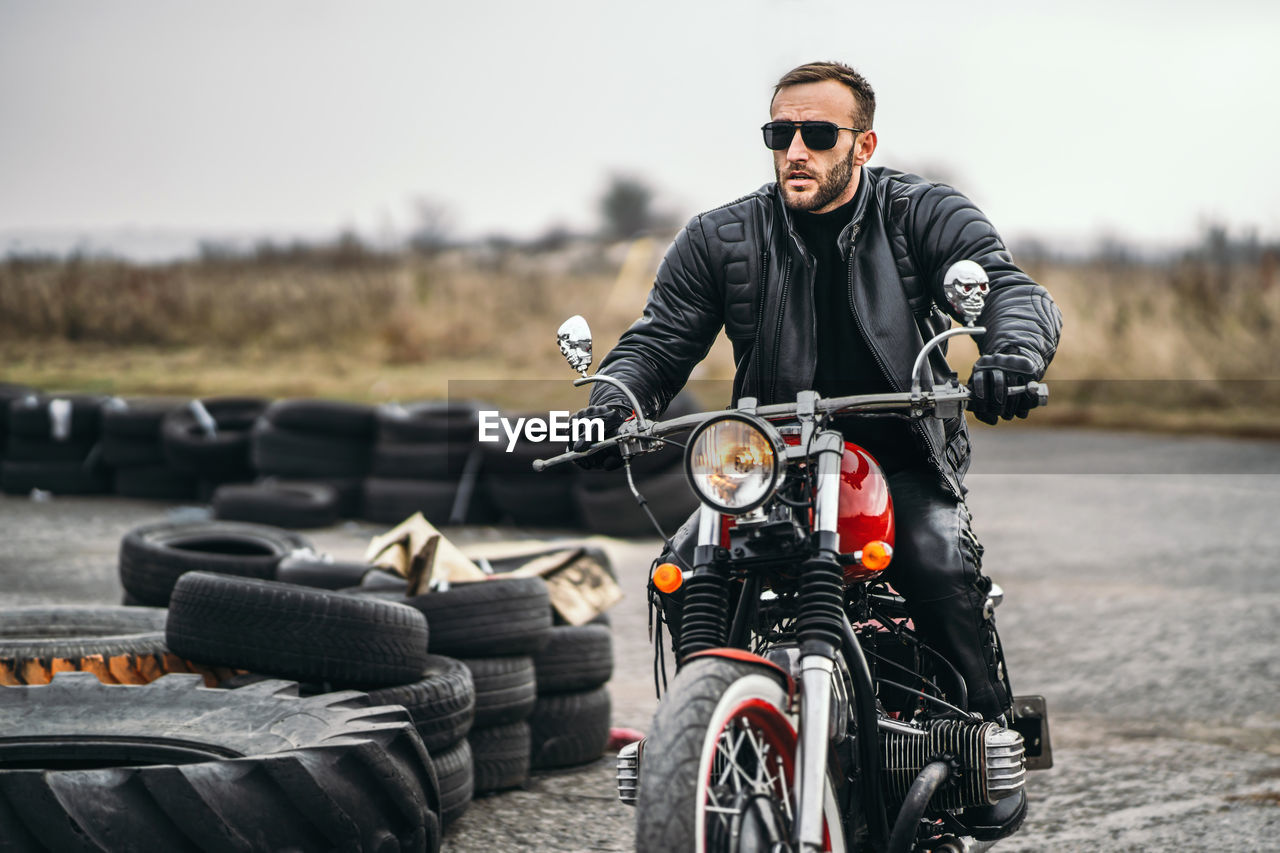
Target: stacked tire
(54, 444)
(604, 501)
(569, 725)
(426, 460)
(321, 446)
(209, 440)
(332, 641)
(153, 557)
(8, 393)
(495, 627)
(133, 447)
(523, 496)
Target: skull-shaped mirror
(966, 286)
(574, 337)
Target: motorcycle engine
(986, 761)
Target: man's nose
(796, 151)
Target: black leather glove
(992, 376)
(610, 459)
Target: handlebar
(916, 404)
(943, 401)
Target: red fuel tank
(866, 508)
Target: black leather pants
(937, 568)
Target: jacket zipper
(777, 332)
(764, 277)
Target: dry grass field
(1186, 345)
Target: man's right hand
(609, 459)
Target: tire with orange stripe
(120, 645)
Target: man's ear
(866, 146)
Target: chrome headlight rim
(770, 434)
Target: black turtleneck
(846, 364)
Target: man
(831, 279)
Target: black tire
(252, 769)
(455, 768)
(505, 689)
(284, 452)
(280, 503)
(614, 512)
(8, 393)
(535, 502)
(442, 702)
(115, 636)
(129, 452)
(575, 659)
(309, 571)
(709, 700)
(138, 418)
(569, 729)
(392, 501)
(154, 556)
(434, 422)
(350, 491)
(507, 616)
(25, 448)
(384, 580)
(326, 417)
(30, 416)
(295, 632)
(61, 478)
(154, 482)
(500, 756)
(403, 461)
(221, 458)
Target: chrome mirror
(966, 286)
(574, 337)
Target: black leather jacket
(743, 267)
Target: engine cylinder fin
(988, 758)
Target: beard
(827, 191)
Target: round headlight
(734, 463)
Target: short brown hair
(816, 72)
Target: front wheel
(718, 766)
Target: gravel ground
(1141, 599)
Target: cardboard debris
(580, 587)
(418, 552)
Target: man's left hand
(992, 376)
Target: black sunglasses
(817, 135)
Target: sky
(128, 121)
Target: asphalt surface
(1141, 598)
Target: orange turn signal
(876, 555)
(668, 577)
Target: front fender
(745, 656)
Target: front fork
(819, 627)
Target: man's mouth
(799, 178)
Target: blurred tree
(433, 228)
(627, 207)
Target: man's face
(820, 181)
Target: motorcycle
(806, 714)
